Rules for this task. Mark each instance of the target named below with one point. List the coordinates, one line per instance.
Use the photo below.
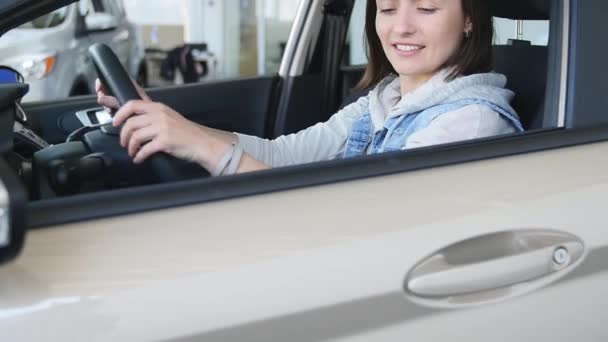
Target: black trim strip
(127, 201)
(587, 64)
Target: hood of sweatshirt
(386, 101)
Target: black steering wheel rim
(117, 83)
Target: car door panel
(313, 271)
(241, 105)
(237, 105)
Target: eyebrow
(434, 2)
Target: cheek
(448, 37)
(382, 30)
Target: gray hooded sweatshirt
(327, 140)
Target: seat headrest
(521, 9)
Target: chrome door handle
(504, 260)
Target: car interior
(524, 64)
(57, 156)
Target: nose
(405, 21)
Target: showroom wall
(246, 37)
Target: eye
(427, 10)
(387, 10)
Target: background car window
(50, 20)
(94, 6)
(99, 6)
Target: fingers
(147, 127)
(99, 86)
(143, 123)
(132, 125)
(109, 102)
(154, 146)
(131, 108)
(140, 138)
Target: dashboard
(91, 158)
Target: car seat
(524, 64)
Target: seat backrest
(526, 69)
(525, 65)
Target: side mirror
(9, 75)
(13, 197)
(99, 22)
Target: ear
(468, 24)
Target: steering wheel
(117, 82)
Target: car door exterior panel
(312, 270)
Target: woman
(429, 64)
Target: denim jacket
(396, 130)
(387, 120)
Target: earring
(467, 34)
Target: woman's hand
(153, 127)
(110, 103)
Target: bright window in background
(278, 18)
(536, 31)
(255, 34)
(245, 37)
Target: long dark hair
(473, 56)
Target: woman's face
(419, 36)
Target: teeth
(407, 47)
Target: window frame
(47, 213)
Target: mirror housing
(9, 75)
(100, 22)
(13, 196)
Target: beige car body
(321, 263)
(224, 271)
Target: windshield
(52, 19)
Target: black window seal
(48, 213)
(587, 64)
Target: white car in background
(51, 51)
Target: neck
(410, 83)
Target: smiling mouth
(408, 48)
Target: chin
(413, 72)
